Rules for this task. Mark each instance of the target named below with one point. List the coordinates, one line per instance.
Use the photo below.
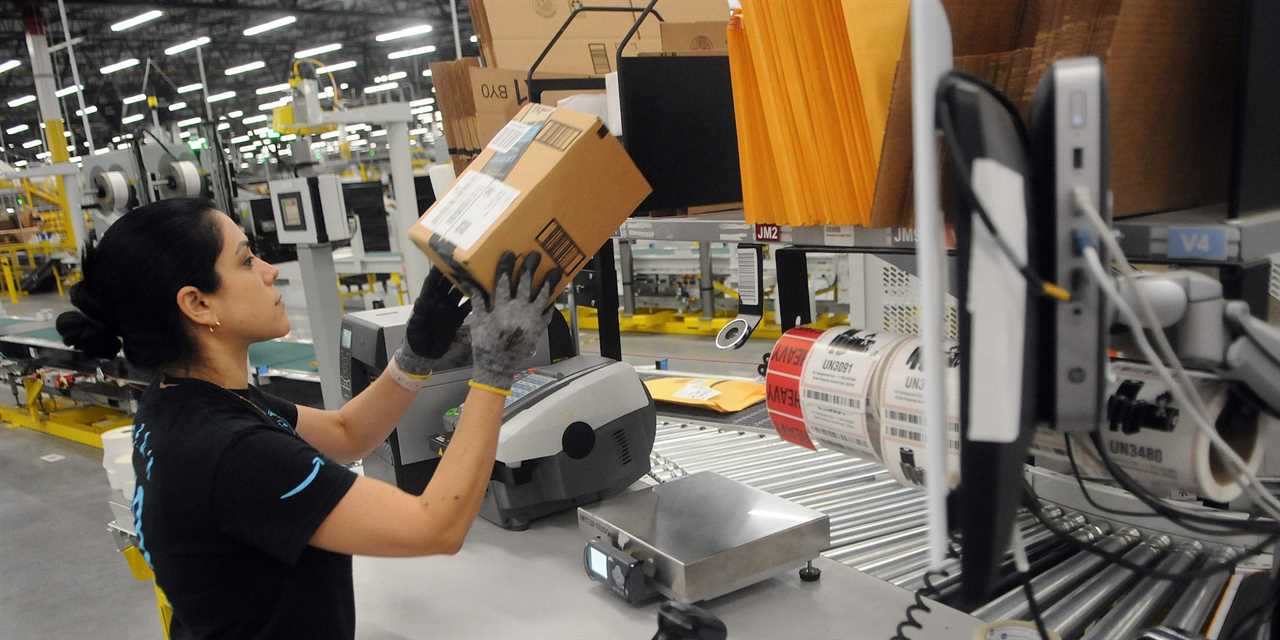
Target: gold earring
(216, 323)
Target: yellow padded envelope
(718, 394)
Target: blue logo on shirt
(316, 463)
(141, 440)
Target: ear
(195, 306)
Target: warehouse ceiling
(352, 23)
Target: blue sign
(1197, 243)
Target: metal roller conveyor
(1070, 616)
(1140, 605)
(879, 527)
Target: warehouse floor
(63, 577)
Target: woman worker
(242, 506)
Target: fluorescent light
(122, 147)
(16, 129)
(128, 136)
(188, 122)
(359, 143)
(235, 114)
(66, 91)
(138, 97)
(188, 88)
(223, 126)
(290, 137)
(378, 134)
(66, 134)
(18, 102)
(262, 132)
(43, 155)
(394, 75)
(244, 165)
(405, 53)
(267, 26)
(141, 18)
(115, 139)
(317, 51)
(184, 135)
(421, 131)
(102, 151)
(186, 46)
(245, 68)
(420, 110)
(475, 39)
(421, 101)
(257, 118)
(353, 137)
(426, 73)
(239, 139)
(268, 106)
(344, 86)
(87, 111)
(329, 135)
(177, 105)
(118, 66)
(9, 65)
(283, 87)
(31, 144)
(406, 32)
(248, 148)
(219, 97)
(378, 88)
(341, 66)
(75, 159)
(20, 164)
(131, 119)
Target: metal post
(610, 332)
(628, 278)
(457, 34)
(706, 281)
(415, 262)
(75, 74)
(319, 280)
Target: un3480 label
(1131, 450)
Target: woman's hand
(507, 326)
(432, 335)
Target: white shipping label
(836, 384)
(472, 207)
(509, 136)
(902, 424)
(748, 274)
(696, 390)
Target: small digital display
(291, 214)
(346, 338)
(598, 562)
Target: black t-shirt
(228, 496)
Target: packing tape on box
(1165, 452)
(858, 392)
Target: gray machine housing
(594, 458)
(408, 457)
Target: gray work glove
(507, 326)
(434, 336)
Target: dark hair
(131, 283)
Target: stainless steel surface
(1075, 611)
(878, 528)
(707, 535)
(1191, 610)
(1136, 609)
(836, 497)
(879, 547)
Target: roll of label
(900, 410)
(1148, 435)
(782, 384)
(836, 388)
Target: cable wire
(1020, 562)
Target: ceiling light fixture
(16, 129)
(268, 26)
(66, 91)
(406, 32)
(139, 97)
(317, 51)
(188, 88)
(219, 97)
(188, 122)
(118, 66)
(341, 66)
(131, 119)
(283, 87)
(187, 46)
(177, 105)
(141, 18)
(245, 68)
(416, 51)
(87, 111)
(9, 65)
(378, 88)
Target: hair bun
(88, 335)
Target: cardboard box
(570, 56)
(552, 181)
(695, 37)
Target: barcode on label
(558, 135)
(903, 416)
(906, 434)
(838, 400)
(560, 247)
(508, 136)
(748, 295)
(599, 57)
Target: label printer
(573, 432)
